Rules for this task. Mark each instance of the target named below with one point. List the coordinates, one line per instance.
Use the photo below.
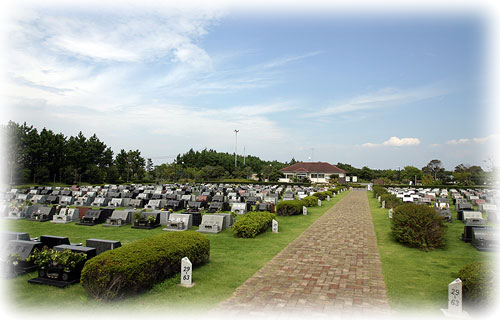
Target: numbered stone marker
(304, 210)
(455, 301)
(319, 202)
(383, 204)
(334, 194)
(390, 213)
(186, 273)
(455, 296)
(275, 226)
(379, 199)
(327, 198)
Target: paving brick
(333, 267)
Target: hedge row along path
(333, 267)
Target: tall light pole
(235, 146)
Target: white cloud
(387, 97)
(394, 142)
(481, 140)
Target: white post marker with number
(327, 198)
(455, 301)
(319, 202)
(383, 204)
(186, 273)
(275, 226)
(304, 210)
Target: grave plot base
(86, 224)
(167, 229)
(146, 227)
(462, 315)
(115, 225)
(39, 220)
(15, 218)
(63, 222)
(486, 249)
(51, 282)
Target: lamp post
(235, 146)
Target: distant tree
(409, 173)
(435, 168)
(366, 173)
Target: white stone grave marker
(383, 204)
(334, 194)
(455, 301)
(379, 199)
(390, 213)
(327, 198)
(186, 273)
(319, 202)
(275, 226)
(304, 210)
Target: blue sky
(376, 90)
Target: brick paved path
(332, 268)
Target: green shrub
(320, 195)
(417, 226)
(310, 201)
(252, 223)
(391, 201)
(139, 265)
(328, 193)
(478, 283)
(379, 191)
(289, 207)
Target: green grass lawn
(232, 261)
(415, 279)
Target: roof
(319, 167)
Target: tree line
(37, 157)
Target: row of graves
(478, 210)
(176, 207)
(18, 246)
(211, 208)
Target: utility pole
(235, 146)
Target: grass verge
(232, 261)
(417, 280)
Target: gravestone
(186, 273)
(379, 199)
(211, 224)
(119, 218)
(66, 215)
(12, 235)
(228, 219)
(304, 210)
(390, 213)
(275, 226)
(179, 222)
(239, 208)
(454, 300)
(102, 245)
(484, 239)
(383, 204)
(327, 198)
(319, 202)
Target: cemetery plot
(61, 266)
(102, 245)
(94, 217)
(211, 224)
(146, 220)
(17, 251)
(179, 222)
(66, 215)
(119, 218)
(43, 214)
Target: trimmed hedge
(290, 207)
(418, 226)
(379, 191)
(320, 195)
(391, 201)
(137, 266)
(252, 223)
(478, 283)
(310, 201)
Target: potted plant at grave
(58, 265)
(137, 216)
(151, 220)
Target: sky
(382, 89)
